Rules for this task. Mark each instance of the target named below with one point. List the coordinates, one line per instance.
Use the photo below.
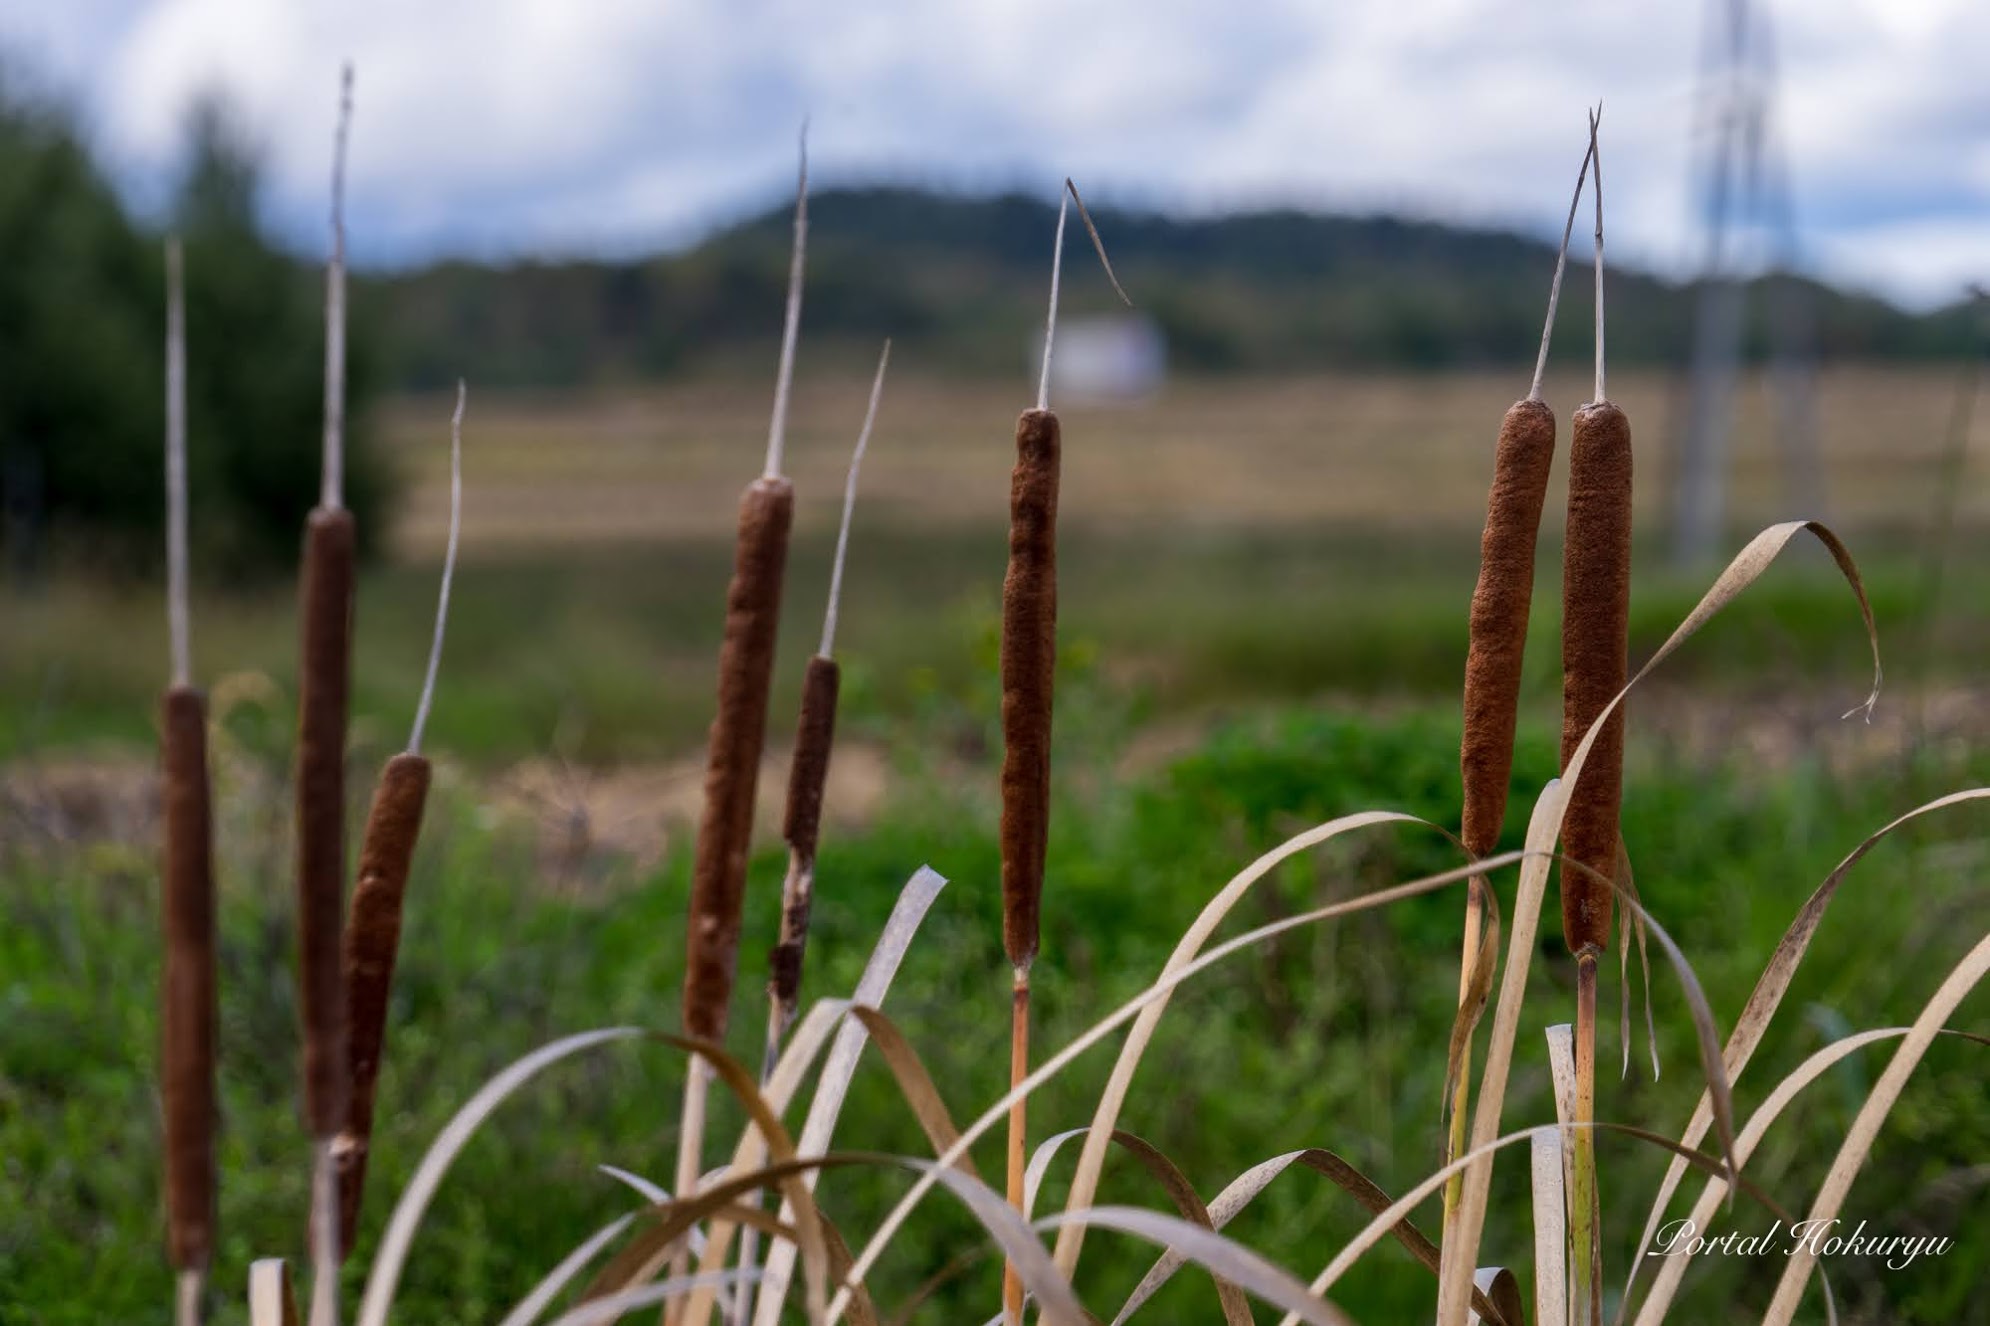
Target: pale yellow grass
(1374, 451)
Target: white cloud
(510, 125)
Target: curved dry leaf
(1246, 1187)
(1085, 1182)
(1160, 991)
(1462, 1243)
(1376, 1229)
(548, 1289)
(833, 1086)
(1865, 1127)
(1673, 1269)
(1221, 1257)
(385, 1276)
(596, 1311)
(1753, 1023)
(1498, 1284)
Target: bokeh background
(1337, 225)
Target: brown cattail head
(1500, 606)
(746, 664)
(1596, 596)
(1029, 667)
(188, 1001)
(815, 736)
(372, 939)
(325, 611)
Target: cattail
(746, 662)
(1596, 585)
(325, 660)
(1029, 671)
(815, 738)
(1498, 641)
(739, 729)
(373, 931)
(1596, 592)
(187, 1001)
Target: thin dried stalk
(187, 1004)
(332, 489)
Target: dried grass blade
(528, 1308)
(1753, 1023)
(1673, 1269)
(1746, 567)
(1221, 1257)
(832, 1087)
(402, 1226)
(1084, 1183)
(1551, 1291)
(1246, 1187)
(610, 1309)
(272, 1298)
(1865, 1127)
(1160, 991)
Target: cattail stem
(448, 568)
(1596, 156)
(332, 490)
(1555, 286)
(1584, 1205)
(829, 613)
(188, 998)
(189, 1292)
(324, 1233)
(1019, 1068)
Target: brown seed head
(187, 1003)
(372, 940)
(1596, 595)
(1500, 607)
(746, 663)
(1029, 666)
(325, 613)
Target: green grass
(1332, 1037)
(606, 655)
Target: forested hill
(960, 282)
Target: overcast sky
(492, 127)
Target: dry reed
(188, 995)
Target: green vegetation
(956, 281)
(605, 656)
(1333, 1037)
(82, 326)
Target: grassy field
(1262, 625)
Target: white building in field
(1110, 357)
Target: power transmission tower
(1744, 199)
